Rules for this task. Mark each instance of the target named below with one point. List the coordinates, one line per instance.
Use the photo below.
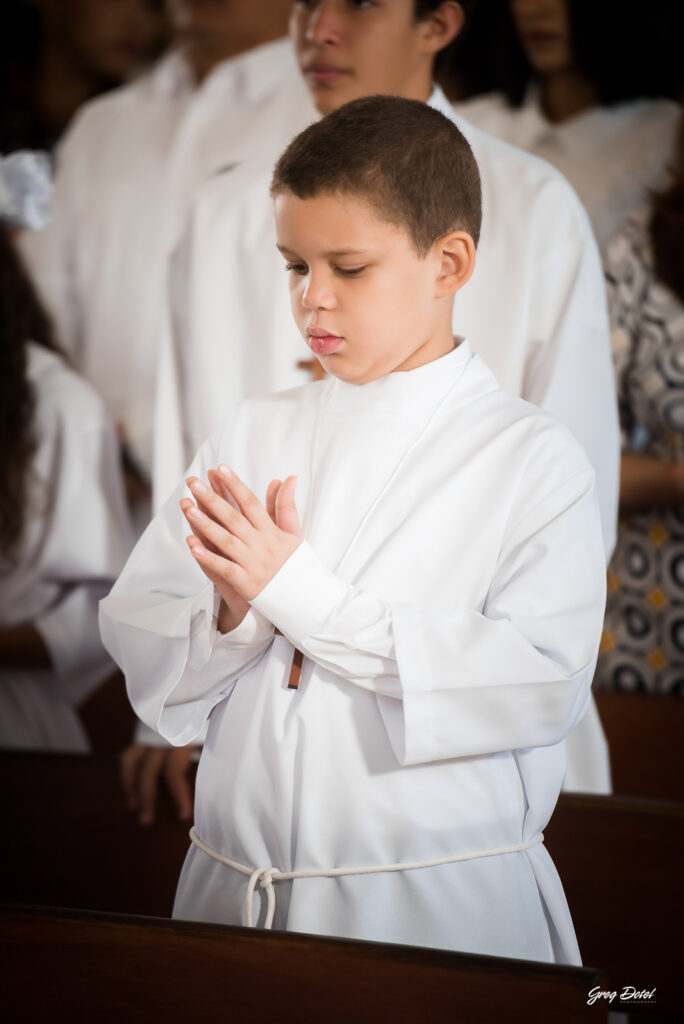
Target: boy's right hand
(233, 607)
(280, 515)
(251, 550)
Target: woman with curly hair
(589, 87)
(643, 640)
(63, 525)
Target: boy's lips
(322, 73)
(321, 342)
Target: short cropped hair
(408, 161)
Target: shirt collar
(581, 135)
(406, 395)
(253, 74)
(438, 101)
(256, 72)
(171, 75)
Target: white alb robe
(76, 543)
(612, 156)
(535, 309)
(126, 173)
(448, 599)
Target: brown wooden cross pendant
(296, 670)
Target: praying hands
(239, 543)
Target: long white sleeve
(565, 365)
(456, 682)
(172, 655)
(551, 305)
(160, 625)
(79, 535)
(572, 376)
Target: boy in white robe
(389, 663)
(535, 309)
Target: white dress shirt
(612, 156)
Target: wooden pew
(644, 733)
(72, 842)
(620, 861)
(77, 966)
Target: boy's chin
(351, 376)
(326, 99)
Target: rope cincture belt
(266, 876)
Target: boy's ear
(455, 258)
(441, 26)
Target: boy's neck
(419, 86)
(436, 348)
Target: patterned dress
(643, 640)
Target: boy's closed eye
(349, 271)
(297, 268)
(301, 270)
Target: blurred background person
(126, 170)
(64, 531)
(57, 54)
(589, 87)
(643, 641)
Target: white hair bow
(25, 189)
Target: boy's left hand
(243, 546)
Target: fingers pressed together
(239, 543)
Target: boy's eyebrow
(347, 252)
(335, 252)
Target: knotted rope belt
(266, 876)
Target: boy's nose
(315, 294)
(324, 25)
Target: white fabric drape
(76, 542)
(448, 600)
